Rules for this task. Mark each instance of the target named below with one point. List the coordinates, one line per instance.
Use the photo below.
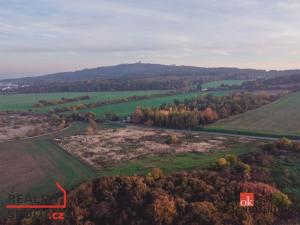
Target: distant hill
(139, 70)
(138, 76)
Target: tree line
(201, 110)
(63, 100)
(82, 106)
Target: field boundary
(38, 136)
(248, 133)
(76, 157)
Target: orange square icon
(247, 199)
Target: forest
(201, 110)
(136, 76)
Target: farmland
(72, 157)
(280, 117)
(32, 166)
(125, 109)
(24, 102)
(219, 83)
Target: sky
(46, 36)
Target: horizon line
(3, 77)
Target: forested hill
(140, 70)
(137, 76)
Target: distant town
(9, 86)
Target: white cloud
(83, 33)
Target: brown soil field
(112, 146)
(15, 126)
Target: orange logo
(246, 199)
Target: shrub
(281, 199)
(285, 143)
(242, 167)
(232, 159)
(172, 139)
(156, 173)
(62, 125)
(221, 163)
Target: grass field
(32, 166)
(285, 173)
(218, 83)
(280, 117)
(24, 102)
(173, 162)
(125, 109)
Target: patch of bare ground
(14, 126)
(111, 146)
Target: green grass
(33, 165)
(127, 108)
(24, 102)
(218, 83)
(285, 173)
(172, 162)
(281, 117)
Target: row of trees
(82, 106)
(118, 84)
(42, 103)
(199, 111)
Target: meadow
(169, 163)
(281, 117)
(24, 102)
(218, 83)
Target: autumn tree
(137, 116)
(163, 209)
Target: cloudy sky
(45, 36)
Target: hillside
(137, 70)
(281, 116)
(137, 76)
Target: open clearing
(279, 117)
(24, 102)
(15, 126)
(109, 148)
(219, 83)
